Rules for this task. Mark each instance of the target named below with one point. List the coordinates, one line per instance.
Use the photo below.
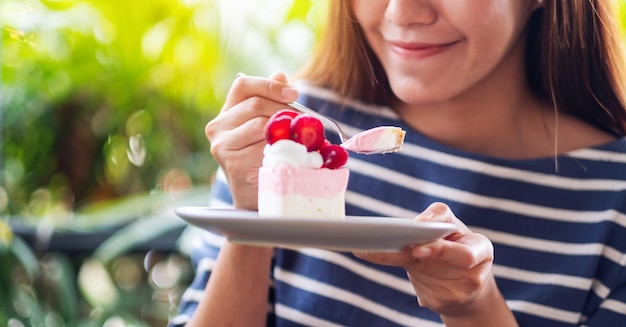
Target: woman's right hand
(237, 133)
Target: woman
(515, 120)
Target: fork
(343, 136)
(327, 121)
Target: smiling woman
(515, 134)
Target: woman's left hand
(451, 276)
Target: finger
(251, 108)
(385, 258)
(440, 212)
(248, 133)
(279, 76)
(245, 87)
(467, 251)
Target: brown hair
(574, 58)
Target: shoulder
(575, 133)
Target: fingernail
(426, 215)
(359, 254)
(289, 93)
(421, 252)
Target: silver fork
(327, 121)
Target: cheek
(369, 14)
(491, 38)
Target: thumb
(279, 76)
(440, 212)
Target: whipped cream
(290, 153)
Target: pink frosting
(321, 182)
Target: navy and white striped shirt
(559, 234)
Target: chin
(412, 91)
(418, 97)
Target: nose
(409, 12)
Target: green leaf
(61, 275)
(150, 227)
(138, 232)
(26, 257)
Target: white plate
(381, 234)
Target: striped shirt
(558, 226)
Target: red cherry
(334, 156)
(278, 129)
(308, 131)
(284, 112)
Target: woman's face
(434, 50)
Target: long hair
(574, 58)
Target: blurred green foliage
(102, 112)
(102, 99)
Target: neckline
(618, 144)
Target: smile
(418, 50)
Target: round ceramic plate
(381, 234)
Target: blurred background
(103, 108)
(103, 105)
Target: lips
(417, 49)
